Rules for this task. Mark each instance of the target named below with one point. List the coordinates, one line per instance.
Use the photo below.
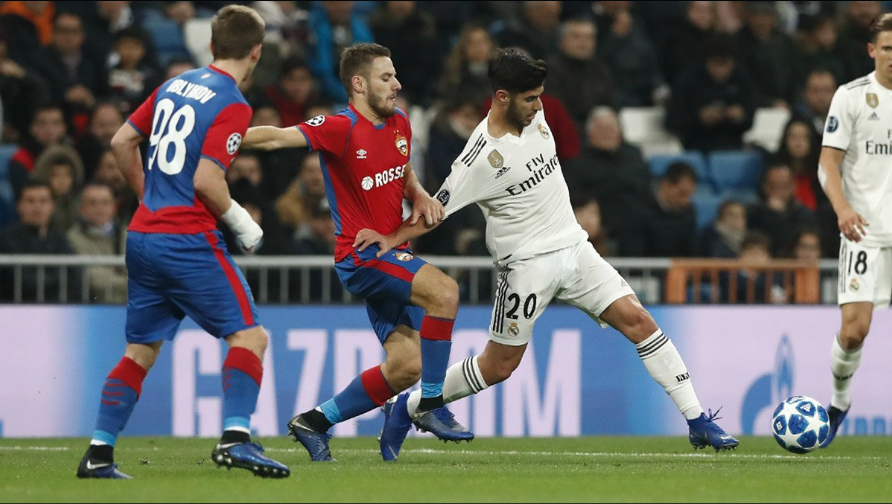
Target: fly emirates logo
(384, 178)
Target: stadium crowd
(71, 72)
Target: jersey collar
(221, 72)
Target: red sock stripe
(376, 386)
(129, 372)
(245, 361)
(437, 329)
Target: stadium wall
(576, 379)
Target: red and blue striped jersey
(200, 114)
(364, 166)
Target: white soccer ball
(800, 424)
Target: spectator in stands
(317, 235)
(535, 29)
(246, 166)
(29, 26)
(612, 171)
(820, 85)
(73, 77)
(303, 195)
(20, 89)
(575, 63)
(751, 283)
(450, 131)
(62, 168)
(855, 33)
(178, 67)
(336, 28)
(97, 232)
(107, 173)
(779, 214)
(33, 236)
(47, 128)
(105, 121)
(466, 67)
(713, 104)
(294, 92)
(682, 47)
(770, 55)
(179, 12)
(588, 214)
(800, 148)
(133, 79)
(821, 48)
(624, 45)
(805, 245)
(670, 222)
(411, 35)
(725, 237)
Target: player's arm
(125, 148)
(210, 186)
(407, 231)
(851, 224)
(422, 203)
(272, 138)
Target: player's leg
(865, 283)
(370, 390)
(151, 319)
(213, 292)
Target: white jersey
(860, 123)
(519, 185)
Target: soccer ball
(800, 424)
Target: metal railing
(310, 279)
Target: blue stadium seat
(707, 207)
(744, 196)
(7, 206)
(168, 39)
(660, 163)
(6, 153)
(735, 170)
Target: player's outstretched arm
(408, 231)
(210, 186)
(125, 148)
(272, 138)
(850, 223)
(423, 205)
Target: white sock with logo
(665, 366)
(843, 364)
(462, 380)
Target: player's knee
(639, 325)
(854, 332)
(405, 374)
(448, 297)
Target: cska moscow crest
(402, 144)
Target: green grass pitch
(593, 469)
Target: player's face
(382, 87)
(881, 52)
(524, 107)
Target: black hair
(516, 72)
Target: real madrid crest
(872, 99)
(496, 159)
(544, 132)
(402, 144)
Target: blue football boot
(396, 427)
(441, 423)
(316, 443)
(248, 456)
(93, 469)
(705, 432)
(836, 417)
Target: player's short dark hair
(35, 183)
(881, 24)
(679, 171)
(235, 31)
(357, 60)
(516, 72)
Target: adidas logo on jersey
(361, 154)
(873, 117)
(503, 171)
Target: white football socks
(665, 366)
(844, 363)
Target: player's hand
(250, 236)
(367, 237)
(429, 208)
(852, 225)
